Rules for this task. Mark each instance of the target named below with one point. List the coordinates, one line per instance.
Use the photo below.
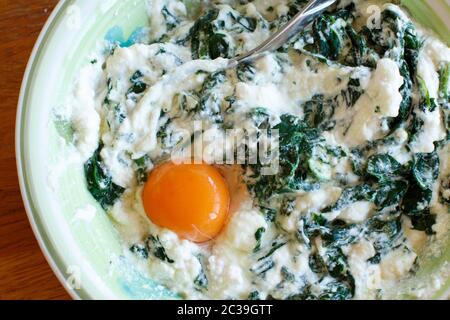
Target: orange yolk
(192, 200)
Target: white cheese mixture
(373, 98)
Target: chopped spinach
(139, 250)
(353, 92)
(206, 40)
(276, 244)
(424, 222)
(261, 267)
(258, 237)
(390, 193)
(386, 231)
(416, 199)
(335, 262)
(318, 113)
(425, 169)
(218, 46)
(444, 95)
(209, 104)
(329, 35)
(383, 167)
(141, 171)
(171, 19)
(254, 295)
(260, 118)
(341, 234)
(245, 72)
(351, 195)
(426, 103)
(316, 264)
(248, 23)
(99, 181)
(269, 213)
(337, 290)
(297, 141)
(265, 262)
(287, 275)
(138, 85)
(312, 226)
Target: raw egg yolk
(192, 200)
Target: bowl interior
(85, 250)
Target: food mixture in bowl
(358, 183)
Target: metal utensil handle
(301, 20)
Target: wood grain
(24, 272)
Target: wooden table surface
(24, 272)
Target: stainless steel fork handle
(300, 21)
